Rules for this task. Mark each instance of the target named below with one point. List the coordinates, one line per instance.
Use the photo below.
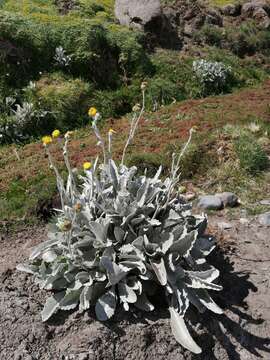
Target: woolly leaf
(105, 306)
(160, 271)
(52, 305)
(71, 300)
(181, 332)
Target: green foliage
(251, 155)
(27, 199)
(29, 43)
(209, 34)
(149, 161)
(66, 100)
(247, 39)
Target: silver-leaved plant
(118, 236)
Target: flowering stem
(59, 180)
(133, 127)
(175, 168)
(97, 133)
(72, 180)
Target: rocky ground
(243, 332)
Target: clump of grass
(251, 155)
(149, 161)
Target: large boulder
(137, 14)
(259, 10)
(231, 10)
(210, 202)
(262, 18)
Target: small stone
(210, 202)
(244, 221)
(189, 196)
(265, 202)
(264, 219)
(83, 356)
(224, 225)
(228, 199)
(231, 10)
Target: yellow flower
(55, 134)
(87, 165)
(46, 140)
(111, 131)
(92, 112)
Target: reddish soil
(241, 333)
(157, 131)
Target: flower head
(136, 108)
(111, 131)
(55, 134)
(78, 207)
(46, 140)
(92, 112)
(87, 165)
(64, 224)
(68, 134)
(143, 85)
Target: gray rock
(210, 202)
(137, 14)
(231, 10)
(264, 219)
(228, 199)
(265, 202)
(213, 18)
(83, 356)
(249, 8)
(262, 18)
(224, 226)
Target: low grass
(27, 185)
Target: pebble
(265, 202)
(264, 219)
(224, 226)
(210, 202)
(228, 199)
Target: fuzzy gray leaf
(126, 294)
(85, 298)
(181, 332)
(185, 244)
(105, 306)
(52, 305)
(71, 300)
(143, 303)
(160, 271)
(115, 273)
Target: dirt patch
(242, 332)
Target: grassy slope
(27, 186)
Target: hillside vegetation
(58, 58)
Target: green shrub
(248, 39)
(66, 101)
(149, 161)
(161, 92)
(114, 103)
(251, 155)
(210, 35)
(29, 43)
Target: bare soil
(241, 333)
